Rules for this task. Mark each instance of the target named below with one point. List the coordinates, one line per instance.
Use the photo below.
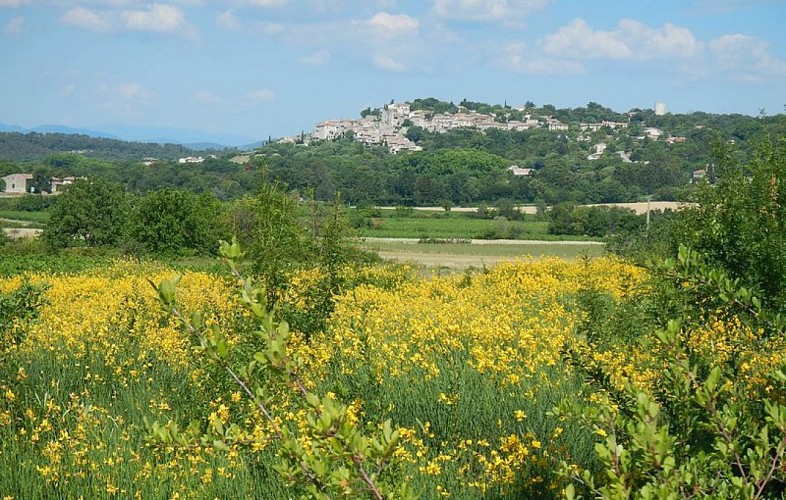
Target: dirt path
(455, 262)
(415, 241)
(22, 232)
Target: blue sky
(274, 67)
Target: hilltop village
(390, 124)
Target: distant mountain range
(194, 139)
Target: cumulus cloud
(519, 57)
(579, 41)
(393, 24)
(486, 10)
(11, 3)
(318, 58)
(389, 40)
(260, 95)
(160, 18)
(80, 17)
(15, 26)
(631, 40)
(746, 57)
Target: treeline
(35, 146)
(217, 176)
(463, 167)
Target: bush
(176, 222)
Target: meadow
(408, 223)
(467, 367)
(104, 394)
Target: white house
(191, 159)
(58, 182)
(516, 170)
(17, 183)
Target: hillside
(33, 146)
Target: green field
(31, 219)
(450, 225)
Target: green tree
(89, 212)
(740, 222)
(42, 181)
(176, 222)
(268, 226)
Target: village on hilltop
(389, 126)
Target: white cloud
(229, 21)
(126, 98)
(390, 41)
(205, 97)
(388, 63)
(134, 92)
(318, 58)
(578, 40)
(159, 18)
(747, 58)
(15, 26)
(11, 3)
(260, 95)
(520, 58)
(631, 40)
(487, 10)
(86, 19)
(397, 25)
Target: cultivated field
(478, 253)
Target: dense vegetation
(463, 167)
(302, 369)
(34, 146)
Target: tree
(176, 222)
(740, 223)
(267, 225)
(89, 212)
(42, 181)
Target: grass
(31, 217)
(445, 225)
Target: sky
(260, 68)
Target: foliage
(740, 223)
(592, 221)
(89, 212)
(176, 222)
(36, 146)
(268, 226)
(17, 308)
(714, 424)
(331, 455)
